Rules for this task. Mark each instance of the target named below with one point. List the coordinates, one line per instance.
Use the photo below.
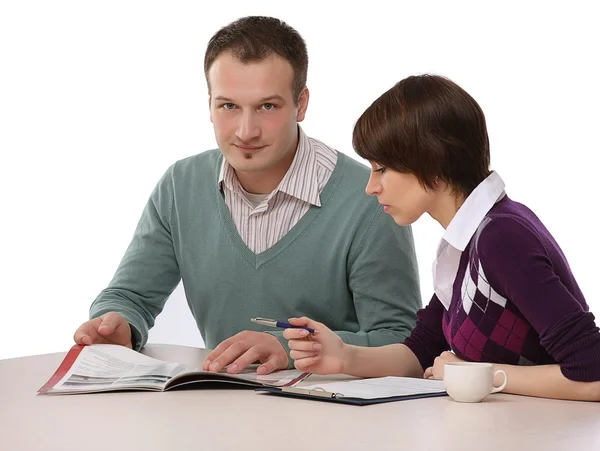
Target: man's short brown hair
(254, 38)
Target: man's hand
(437, 370)
(245, 348)
(110, 328)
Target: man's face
(254, 114)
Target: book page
(281, 378)
(110, 367)
(381, 387)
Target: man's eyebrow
(273, 97)
(263, 100)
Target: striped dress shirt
(263, 225)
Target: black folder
(322, 395)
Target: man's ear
(209, 108)
(302, 104)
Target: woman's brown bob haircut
(430, 127)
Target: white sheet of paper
(381, 387)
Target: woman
(504, 292)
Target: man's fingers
(273, 363)
(81, 337)
(110, 328)
(92, 339)
(110, 322)
(228, 356)
(220, 349)
(87, 333)
(247, 358)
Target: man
(272, 224)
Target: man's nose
(248, 128)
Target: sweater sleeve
(516, 261)
(427, 340)
(148, 272)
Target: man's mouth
(246, 148)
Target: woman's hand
(437, 370)
(321, 352)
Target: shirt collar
(301, 179)
(227, 177)
(468, 217)
(303, 169)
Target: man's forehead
(229, 59)
(270, 76)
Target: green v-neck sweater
(346, 263)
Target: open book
(103, 367)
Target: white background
(97, 99)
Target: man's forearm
(390, 360)
(546, 381)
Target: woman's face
(400, 194)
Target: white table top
(228, 419)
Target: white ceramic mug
(471, 381)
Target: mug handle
(497, 389)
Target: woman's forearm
(546, 381)
(389, 360)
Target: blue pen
(280, 324)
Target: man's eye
(380, 170)
(228, 106)
(268, 106)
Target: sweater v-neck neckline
(257, 260)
